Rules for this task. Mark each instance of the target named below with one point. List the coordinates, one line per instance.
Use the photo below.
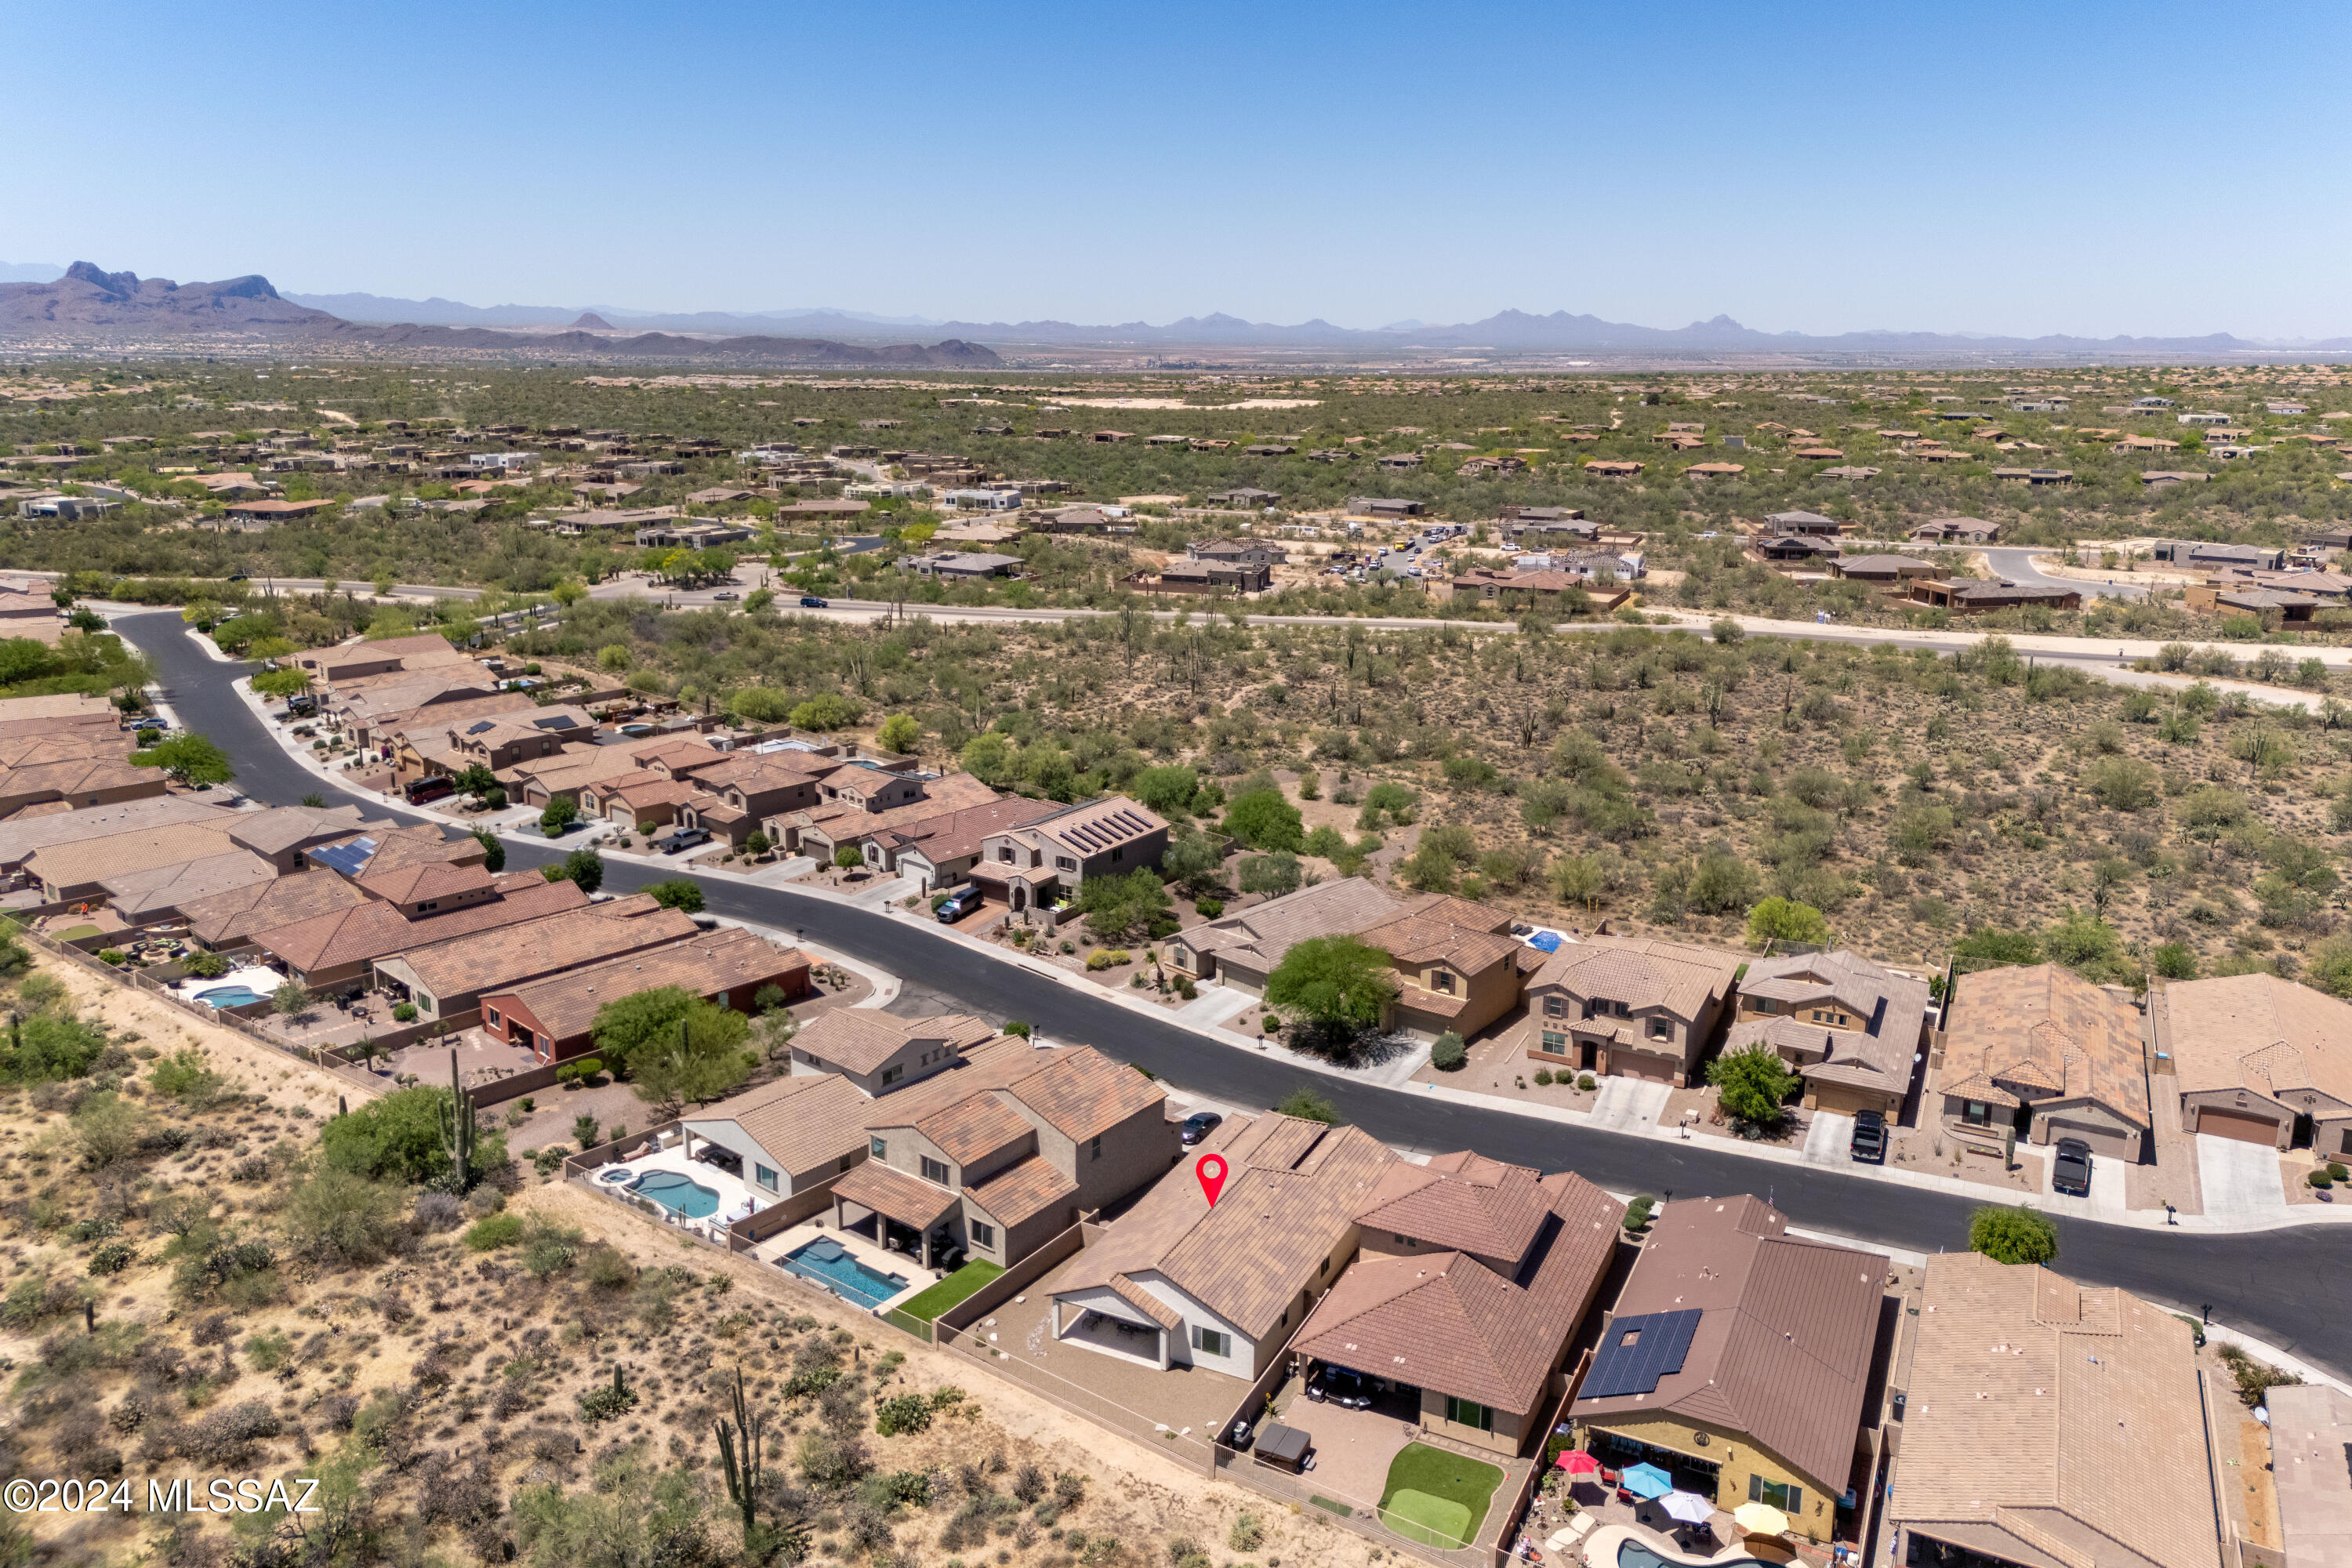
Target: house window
(891, 1074)
(879, 1148)
(1064, 863)
(492, 1014)
(934, 1170)
(1977, 1113)
(1213, 1341)
(1763, 1004)
(1618, 1010)
(764, 1176)
(1593, 1005)
(982, 1234)
(1555, 1044)
(1118, 852)
(1094, 1148)
(1555, 1006)
(1789, 1500)
(847, 1159)
(1463, 1413)
(1662, 1028)
(1442, 980)
(1004, 853)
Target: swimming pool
(678, 1193)
(228, 996)
(828, 1263)
(1634, 1554)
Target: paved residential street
(2283, 1286)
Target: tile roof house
(337, 948)
(429, 887)
(555, 1018)
(157, 892)
(1803, 522)
(1740, 1355)
(879, 1052)
(385, 847)
(22, 836)
(1633, 1007)
(859, 800)
(939, 850)
(1882, 568)
(347, 661)
(1970, 596)
(1042, 862)
(1457, 970)
(1473, 1277)
(450, 976)
(1174, 1281)
(2310, 1432)
(1242, 949)
(2249, 1054)
(1007, 1151)
(1957, 531)
(794, 1135)
(2042, 1051)
(564, 775)
(1853, 1028)
(2051, 1422)
(225, 922)
(284, 835)
(76, 870)
(80, 782)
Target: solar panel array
(1117, 827)
(350, 858)
(561, 721)
(1661, 1341)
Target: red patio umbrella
(1577, 1462)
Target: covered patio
(902, 1214)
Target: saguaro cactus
(458, 1127)
(743, 1466)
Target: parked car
(1869, 1144)
(1199, 1125)
(1340, 1387)
(432, 788)
(2071, 1171)
(685, 838)
(811, 602)
(958, 904)
(725, 598)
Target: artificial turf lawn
(1436, 1498)
(966, 1281)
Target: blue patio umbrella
(1646, 1481)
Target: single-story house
(555, 1018)
(1971, 596)
(2256, 1058)
(2039, 1052)
(1881, 568)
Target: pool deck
(262, 982)
(732, 1192)
(918, 1278)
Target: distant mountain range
(88, 301)
(439, 312)
(30, 271)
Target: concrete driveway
(2241, 1180)
(1630, 1104)
(1829, 1140)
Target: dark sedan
(1199, 1125)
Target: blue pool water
(1634, 1554)
(228, 995)
(831, 1264)
(679, 1194)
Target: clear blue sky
(2092, 167)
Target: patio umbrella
(1577, 1462)
(1647, 1481)
(1760, 1519)
(1688, 1507)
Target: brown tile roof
(1023, 1190)
(853, 821)
(432, 880)
(371, 930)
(2310, 1426)
(2044, 1026)
(464, 966)
(973, 1127)
(910, 1200)
(566, 1005)
(956, 833)
(1447, 1322)
(284, 827)
(1640, 972)
(2050, 1421)
(1472, 1205)
(421, 844)
(1092, 826)
(1427, 935)
(74, 775)
(1289, 1200)
(1892, 1007)
(1259, 936)
(807, 1123)
(2255, 1032)
(144, 895)
(20, 837)
(424, 649)
(226, 919)
(121, 854)
(860, 1039)
(1083, 1093)
(1783, 1348)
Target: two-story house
(940, 849)
(879, 1052)
(1854, 1029)
(2038, 1052)
(1465, 1298)
(743, 792)
(1042, 862)
(857, 800)
(1632, 1007)
(1456, 967)
(999, 1162)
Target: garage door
(2104, 1141)
(1642, 1065)
(2237, 1124)
(1845, 1100)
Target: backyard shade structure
(1760, 1519)
(1577, 1462)
(1688, 1507)
(1647, 1480)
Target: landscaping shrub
(1637, 1213)
(1449, 1053)
(498, 1230)
(1104, 958)
(404, 1011)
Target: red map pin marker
(1211, 1169)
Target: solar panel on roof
(561, 721)
(1635, 1352)
(350, 858)
(479, 725)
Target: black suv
(1869, 1144)
(2072, 1173)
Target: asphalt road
(2283, 1286)
(2017, 565)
